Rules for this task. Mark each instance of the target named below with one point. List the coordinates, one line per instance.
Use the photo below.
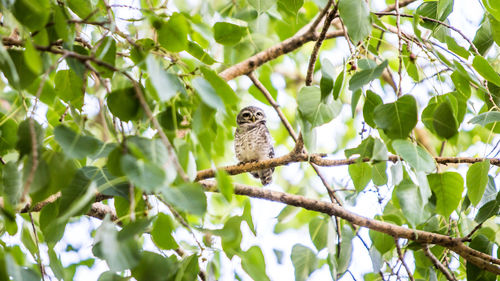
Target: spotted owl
(252, 141)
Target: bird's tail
(266, 176)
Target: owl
(252, 141)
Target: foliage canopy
(120, 112)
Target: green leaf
(51, 229)
(155, 267)
(188, 269)
(55, 264)
(227, 33)
(318, 231)
(487, 211)
(197, 51)
(411, 202)
(8, 133)
(415, 155)
(434, 10)
(364, 149)
(261, 5)
(448, 188)
(14, 66)
(290, 6)
(382, 242)
(69, 87)
(339, 84)
(486, 70)
(111, 276)
(397, 119)
(144, 174)
(247, 216)
(304, 261)
(486, 118)
(24, 144)
(106, 52)
(457, 49)
(365, 76)
(477, 179)
(220, 86)
(33, 14)
(11, 181)
(253, 262)
(379, 151)
(372, 100)
(326, 82)
(33, 57)
(75, 145)
(495, 28)
(187, 197)
(119, 255)
(492, 8)
(483, 40)
(162, 232)
(379, 175)
(361, 174)
(208, 94)
(28, 240)
(344, 258)
(74, 192)
(82, 8)
(313, 109)
(63, 30)
(41, 177)
(354, 101)
(356, 17)
(124, 104)
(102, 177)
(166, 84)
(225, 184)
(172, 35)
(461, 83)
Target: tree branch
(481, 260)
(99, 211)
(438, 264)
(288, 45)
(402, 257)
(319, 160)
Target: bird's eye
(259, 113)
(246, 115)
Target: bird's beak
(253, 118)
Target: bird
(253, 142)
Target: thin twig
(468, 236)
(33, 136)
(314, 55)
(400, 254)
(347, 38)
(431, 20)
(321, 15)
(438, 264)
(131, 196)
(400, 49)
(443, 144)
(38, 256)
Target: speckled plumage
(253, 142)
